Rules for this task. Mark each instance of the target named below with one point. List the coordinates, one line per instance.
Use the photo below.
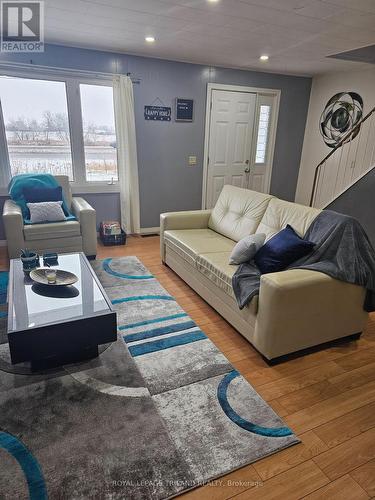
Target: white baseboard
(150, 230)
(144, 231)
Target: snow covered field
(101, 161)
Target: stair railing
(354, 133)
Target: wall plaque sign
(159, 113)
(184, 110)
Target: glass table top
(34, 305)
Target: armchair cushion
(41, 181)
(46, 211)
(38, 195)
(73, 235)
(53, 230)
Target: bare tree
(61, 126)
(48, 124)
(90, 133)
(18, 126)
(33, 129)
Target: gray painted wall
(107, 205)
(166, 181)
(359, 202)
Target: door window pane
(36, 125)
(263, 127)
(99, 134)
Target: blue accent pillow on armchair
(38, 195)
(281, 251)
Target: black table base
(54, 326)
(68, 358)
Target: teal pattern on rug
(107, 268)
(237, 419)
(4, 278)
(178, 331)
(28, 463)
(151, 321)
(142, 297)
(161, 402)
(155, 332)
(158, 345)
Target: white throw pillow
(246, 248)
(46, 211)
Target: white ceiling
(296, 34)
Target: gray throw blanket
(342, 250)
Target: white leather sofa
(295, 309)
(61, 237)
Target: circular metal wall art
(341, 115)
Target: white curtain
(126, 153)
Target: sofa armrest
(191, 219)
(300, 308)
(13, 225)
(87, 219)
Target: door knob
(247, 170)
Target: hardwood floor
(327, 398)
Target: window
(99, 136)
(36, 124)
(58, 124)
(263, 128)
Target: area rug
(4, 276)
(159, 411)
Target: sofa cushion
(281, 251)
(52, 230)
(216, 268)
(245, 249)
(189, 243)
(238, 212)
(279, 213)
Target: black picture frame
(184, 109)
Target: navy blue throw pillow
(37, 195)
(282, 250)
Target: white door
(230, 141)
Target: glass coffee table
(53, 325)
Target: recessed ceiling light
(213, 1)
(150, 39)
(264, 58)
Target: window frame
(262, 101)
(72, 81)
(96, 83)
